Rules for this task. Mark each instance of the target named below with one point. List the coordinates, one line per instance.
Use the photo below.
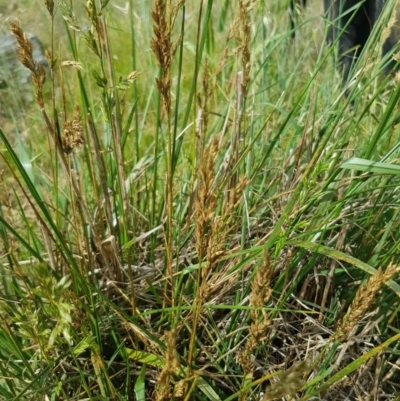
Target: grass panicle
(260, 295)
(164, 385)
(73, 134)
(25, 52)
(50, 6)
(290, 382)
(164, 15)
(362, 302)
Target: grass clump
(198, 211)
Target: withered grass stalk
(241, 29)
(204, 209)
(164, 15)
(212, 231)
(203, 99)
(245, 7)
(206, 200)
(99, 26)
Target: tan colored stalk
(52, 62)
(245, 7)
(98, 21)
(164, 14)
(203, 98)
(115, 126)
(204, 207)
(241, 28)
(211, 233)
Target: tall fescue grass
(200, 210)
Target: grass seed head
(388, 29)
(163, 16)
(363, 300)
(261, 286)
(260, 294)
(164, 386)
(25, 53)
(245, 6)
(25, 49)
(50, 6)
(290, 382)
(73, 134)
(206, 200)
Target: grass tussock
(193, 208)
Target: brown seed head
(25, 50)
(363, 300)
(73, 134)
(50, 6)
(290, 382)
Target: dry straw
(206, 200)
(241, 29)
(210, 234)
(203, 99)
(245, 6)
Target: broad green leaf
(140, 388)
(335, 254)
(370, 166)
(145, 357)
(83, 345)
(207, 389)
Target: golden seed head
(363, 300)
(73, 135)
